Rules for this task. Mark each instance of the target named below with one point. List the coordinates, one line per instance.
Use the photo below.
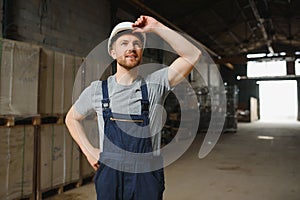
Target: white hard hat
(123, 26)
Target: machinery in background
(173, 110)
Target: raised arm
(73, 119)
(188, 53)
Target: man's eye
(138, 44)
(123, 43)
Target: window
(270, 68)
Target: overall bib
(127, 133)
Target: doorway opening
(278, 100)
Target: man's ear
(113, 54)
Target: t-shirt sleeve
(159, 80)
(83, 104)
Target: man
(124, 104)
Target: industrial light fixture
(256, 55)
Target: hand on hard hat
(145, 24)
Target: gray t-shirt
(126, 99)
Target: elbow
(68, 120)
(72, 118)
(198, 55)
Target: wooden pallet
(15, 120)
(21, 197)
(53, 119)
(86, 180)
(59, 189)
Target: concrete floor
(240, 167)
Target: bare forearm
(78, 134)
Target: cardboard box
(59, 157)
(17, 162)
(57, 76)
(19, 75)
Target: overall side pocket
(98, 172)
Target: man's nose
(130, 46)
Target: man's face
(127, 50)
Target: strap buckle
(105, 103)
(145, 105)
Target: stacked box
(57, 76)
(19, 74)
(59, 157)
(17, 162)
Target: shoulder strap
(145, 100)
(105, 100)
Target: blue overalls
(116, 184)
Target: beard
(128, 63)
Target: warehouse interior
(252, 60)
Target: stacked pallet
(18, 109)
(37, 152)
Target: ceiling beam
(228, 30)
(232, 60)
(245, 19)
(198, 9)
(211, 38)
(221, 21)
(261, 26)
